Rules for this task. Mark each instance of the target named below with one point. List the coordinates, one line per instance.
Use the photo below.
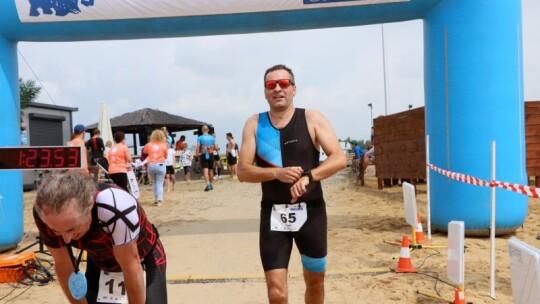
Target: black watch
(308, 174)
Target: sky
(218, 79)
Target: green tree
(29, 92)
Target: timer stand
(41, 158)
(37, 242)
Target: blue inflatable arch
(473, 77)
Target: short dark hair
(230, 135)
(183, 137)
(280, 67)
(119, 136)
(96, 132)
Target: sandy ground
(211, 239)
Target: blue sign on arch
(59, 7)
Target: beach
(211, 242)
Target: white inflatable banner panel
(88, 10)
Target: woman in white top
(169, 169)
(186, 157)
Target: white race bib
(288, 217)
(112, 288)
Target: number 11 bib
(112, 288)
(288, 218)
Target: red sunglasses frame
(283, 83)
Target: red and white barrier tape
(527, 190)
(461, 177)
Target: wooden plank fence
(400, 148)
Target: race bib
(112, 288)
(288, 218)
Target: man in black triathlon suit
(280, 150)
(106, 221)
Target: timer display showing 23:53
(60, 157)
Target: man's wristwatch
(308, 174)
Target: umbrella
(104, 124)
(145, 120)
(153, 119)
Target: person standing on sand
(206, 144)
(71, 210)
(119, 161)
(232, 153)
(77, 139)
(170, 180)
(157, 149)
(186, 158)
(280, 150)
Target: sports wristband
(308, 174)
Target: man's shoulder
(312, 113)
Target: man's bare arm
(327, 139)
(64, 267)
(127, 257)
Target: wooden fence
(400, 148)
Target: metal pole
(384, 72)
(371, 115)
(492, 227)
(428, 190)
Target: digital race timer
(32, 158)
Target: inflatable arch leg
(11, 206)
(474, 95)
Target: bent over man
(121, 243)
(280, 150)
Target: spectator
(97, 148)
(157, 154)
(119, 161)
(169, 169)
(357, 161)
(168, 137)
(232, 154)
(186, 158)
(77, 140)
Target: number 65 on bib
(288, 218)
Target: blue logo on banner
(326, 1)
(60, 7)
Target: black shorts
(275, 246)
(169, 170)
(186, 169)
(216, 157)
(231, 160)
(121, 180)
(207, 163)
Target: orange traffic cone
(404, 263)
(459, 297)
(420, 232)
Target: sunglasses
(283, 83)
